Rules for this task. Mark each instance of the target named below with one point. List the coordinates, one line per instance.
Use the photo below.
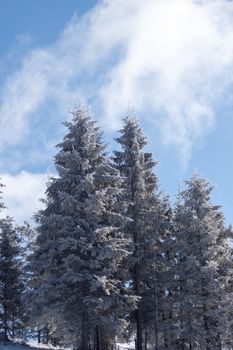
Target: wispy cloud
(22, 193)
(170, 59)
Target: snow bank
(30, 346)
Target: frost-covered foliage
(11, 286)
(157, 275)
(80, 246)
(110, 260)
(148, 229)
(202, 270)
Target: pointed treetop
(2, 206)
(198, 188)
(131, 132)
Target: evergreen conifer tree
(10, 279)
(147, 229)
(202, 269)
(80, 247)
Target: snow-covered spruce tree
(10, 279)
(149, 221)
(28, 235)
(80, 246)
(227, 270)
(157, 275)
(201, 271)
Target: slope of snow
(34, 346)
(31, 346)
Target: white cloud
(171, 59)
(21, 194)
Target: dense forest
(110, 260)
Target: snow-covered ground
(36, 346)
(31, 346)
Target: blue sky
(171, 61)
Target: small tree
(10, 278)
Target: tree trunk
(165, 335)
(13, 327)
(170, 331)
(84, 344)
(45, 335)
(107, 342)
(5, 326)
(98, 338)
(146, 338)
(139, 329)
(219, 342)
(95, 341)
(138, 312)
(206, 326)
(39, 336)
(156, 313)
